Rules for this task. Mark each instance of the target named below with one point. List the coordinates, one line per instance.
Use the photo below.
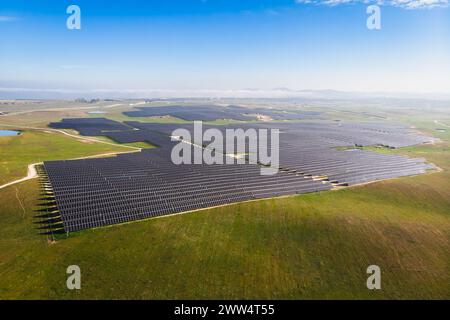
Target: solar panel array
(90, 126)
(211, 113)
(116, 131)
(97, 192)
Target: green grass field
(37, 146)
(304, 247)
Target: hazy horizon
(250, 93)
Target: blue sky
(225, 45)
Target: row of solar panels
(343, 166)
(293, 134)
(211, 113)
(96, 192)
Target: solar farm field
(315, 245)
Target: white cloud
(414, 4)
(7, 18)
(408, 4)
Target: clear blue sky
(223, 44)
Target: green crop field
(303, 247)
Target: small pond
(8, 133)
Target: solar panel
(97, 192)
